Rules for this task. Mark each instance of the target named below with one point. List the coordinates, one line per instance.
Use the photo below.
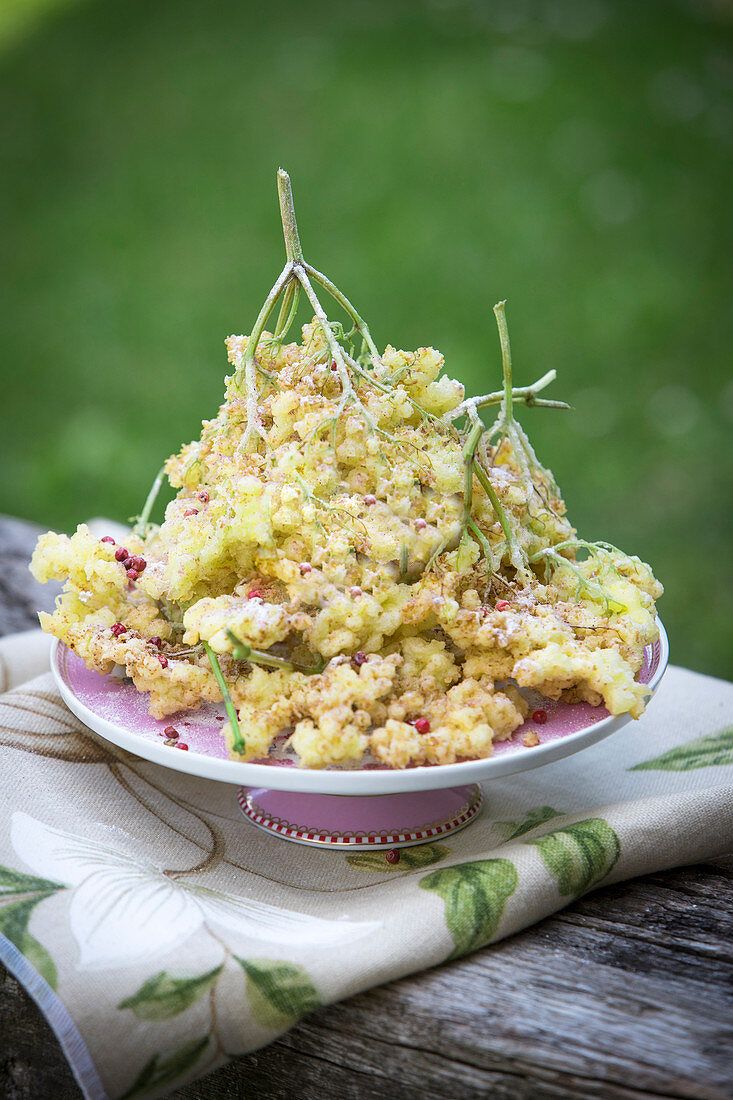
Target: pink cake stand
(355, 809)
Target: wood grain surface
(627, 993)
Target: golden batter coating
(356, 564)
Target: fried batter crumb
(371, 582)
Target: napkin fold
(162, 935)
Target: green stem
(300, 269)
(346, 305)
(243, 652)
(543, 403)
(140, 527)
(334, 347)
(469, 455)
(506, 359)
(442, 545)
(288, 309)
(488, 488)
(238, 744)
(540, 384)
(267, 308)
(404, 562)
(593, 588)
(480, 537)
(526, 395)
(293, 247)
(248, 365)
(469, 458)
(569, 544)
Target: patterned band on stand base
(361, 823)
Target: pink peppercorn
(138, 563)
(355, 592)
(132, 574)
(170, 731)
(422, 725)
(334, 365)
(163, 661)
(190, 512)
(540, 717)
(204, 497)
(254, 594)
(359, 658)
(392, 856)
(420, 524)
(108, 538)
(156, 641)
(121, 554)
(305, 569)
(118, 628)
(502, 605)
(180, 745)
(370, 499)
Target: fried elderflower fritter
(353, 561)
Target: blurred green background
(573, 156)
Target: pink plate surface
(117, 711)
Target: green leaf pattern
(279, 993)
(423, 855)
(14, 924)
(15, 882)
(19, 895)
(161, 1071)
(703, 752)
(510, 830)
(475, 895)
(163, 996)
(579, 855)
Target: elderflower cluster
(339, 550)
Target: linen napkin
(161, 934)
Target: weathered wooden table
(625, 994)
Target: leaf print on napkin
(423, 855)
(13, 883)
(160, 1072)
(475, 895)
(122, 907)
(510, 830)
(14, 924)
(38, 722)
(163, 996)
(703, 752)
(279, 993)
(579, 855)
(26, 891)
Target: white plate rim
(351, 782)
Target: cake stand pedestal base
(361, 823)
